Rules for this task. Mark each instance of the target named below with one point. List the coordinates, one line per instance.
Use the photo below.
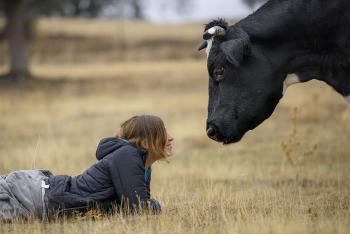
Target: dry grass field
(290, 175)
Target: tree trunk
(136, 5)
(16, 39)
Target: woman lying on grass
(120, 179)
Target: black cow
(248, 62)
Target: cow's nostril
(211, 132)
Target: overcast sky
(200, 10)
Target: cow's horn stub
(203, 45)
(214, 31)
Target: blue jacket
(118, 178)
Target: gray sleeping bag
(21, 195)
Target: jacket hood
(108, 145)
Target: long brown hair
(145, 129)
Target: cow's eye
(219, 74)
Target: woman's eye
(219, 74)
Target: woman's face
(168, 145)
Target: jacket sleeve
(148, 185)
(127, 172)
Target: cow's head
(244, 86)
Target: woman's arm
(127, 173)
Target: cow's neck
(310, 39)
(332, 69)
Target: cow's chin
(240, 132)
(232, 139)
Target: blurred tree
(72, 8)
(137, 7)
(14, 33)
(171, 7)
(182, 6)
(21, 13)
(252, 3)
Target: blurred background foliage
(20, 16)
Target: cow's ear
(235, 50)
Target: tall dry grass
(248, 187)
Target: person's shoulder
(127, 156)
(127, 150)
